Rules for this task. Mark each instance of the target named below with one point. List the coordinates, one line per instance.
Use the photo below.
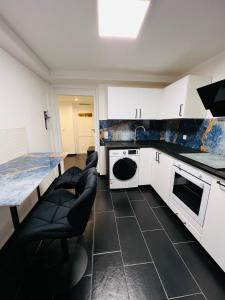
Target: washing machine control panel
(132, 152)
(123, 152)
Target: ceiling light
(121, 18)
(76, 99)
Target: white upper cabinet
(122, 103)
(134, 103)
(181, 99)
(150, 103)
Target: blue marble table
(21, 176)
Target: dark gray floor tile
(175, 276)
(133, 247)
(87, 242)
(108, 278)
(143, 283)
(151, 196)
(145, 216)
(173, 226)
(102, 183)
(103, 201)
(81, 291)
(209, 276)
(105, 234)
(121, 204)
(115, 191)
(134, 194)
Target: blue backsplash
(202, 134)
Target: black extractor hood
(213, 97)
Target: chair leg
(65, 249)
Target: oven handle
(219, 182)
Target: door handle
(180, 111)
(219, 182)
(136, 113)
(139, 113)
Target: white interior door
(67, 130)
(84, 127)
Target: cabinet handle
(220, 183)
(136, 114)
(180, 111)
(140, 114)
(158, 158)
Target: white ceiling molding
(14, 45)
(104, 77)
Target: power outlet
(106, 134)
(184, 136)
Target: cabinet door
(213, 231)
(122, 103)
(161, 174)
(174, 99)
(145, 165)
(150, 103)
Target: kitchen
(157, 224)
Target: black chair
(60, 217)
(70, 178)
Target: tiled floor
(137, 250)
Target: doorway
(77, 123)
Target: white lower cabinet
(145, 166)
(213, 231)
(161, 173)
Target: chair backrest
(91, 161)
(79, 214)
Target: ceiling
(176, 35)
(80, 99)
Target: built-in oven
(190, 191)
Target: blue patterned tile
(205, 135)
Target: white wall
(214, 68)
(23, 99)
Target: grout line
(187, 242)
(152, 230)
(104, 211)
(138, 264)
(179, 254)
(138, 200)
(109, 252)
(189, 295)
(120, 247)
(160, 206)
(87, 275)
(149, 251)
(124, 217)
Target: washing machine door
(124, 168)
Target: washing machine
(123, 168)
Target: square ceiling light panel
(121, 18)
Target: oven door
(190, 194)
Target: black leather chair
(60, 217)
(70, 178)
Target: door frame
(75, 91)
